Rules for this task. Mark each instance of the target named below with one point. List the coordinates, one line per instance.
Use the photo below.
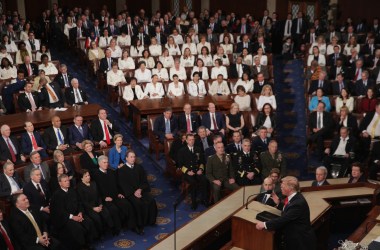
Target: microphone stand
(175, 205)
(248, 199)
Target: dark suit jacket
(163, 38)
(352, 124)
(295, 225)
(332, 73)
(61, 81)
(103, 64)
(315, 183)
(5, 187)
(336, 88)
(159, 126)
(116, 31)
(85, 160)
(33, 66)
(188, 161)
(269, 201)
(44, 97)
(198, 142)
(213, 39)
(145, 36)
(209, 152)
(240, 46)
(366, 50)
(303, 28)
(5, 154)
(124, 28)
(75, 136)
(231, 148)
(366, 121)
(256, 46)
(35, 198)
(258, 144)
(261, 119)
(233, 71)
(182, 122)
(219, 118)
(96, 130)
(263, 70)
(24, 103)
(45, 171)
(216, 29)
(326, 87)
(70, 96)
(50, 138)
(73, 33)
(331, 59)
(257, 88)
(23, 229)
(247, 28)
(26, 142)
(3, 245)
(360, 89)
(350, 146)
(327, 122)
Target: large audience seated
(64, 170)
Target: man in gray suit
(35, 159)
(220, 172)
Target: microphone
(263, 192)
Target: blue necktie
(59, 137)
(167, 127)
(80, 131)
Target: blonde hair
(117, 136)
(266, 86)
(85, 142)
(291, 182)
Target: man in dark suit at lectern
(294, 222)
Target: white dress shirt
(341, 149)
(104, 41)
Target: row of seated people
(57, 136)
(78, 206)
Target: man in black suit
(30, 69)
(77, 32)
(236, 145)
(6, 238)
(211, 37)
(96, 29)
(105, 63)
(75, 95)
(10, 182)
(350, 32)
(373, 61)
(321, 83)
(188, 121)
(68, 217)
(32, 141)
(245, 43)
(29, 100)
(237, 69)
(257, 69)
(362, 85)
(260, 43)
(260, 143)
(57, 136)
(299, 28)
(113, 30)
(266, 197)
(129, 28)
(203, 141)
(78, 132)
(103, 129)
(333, 58)
(214, 26)
(369, 48)
(374, 162)
(159, 35)
(192, 164)
(321, 126)
(294, 222)
(10, 149)
(29, 230)
(369, 129)
(214, 121)
(243, 27)
(38, 193)
(339, 84)
(340, 152)
(63, 78)
(339, 68)
(197, 26)
(165, 126)
(144, 38)
(51, 95)
(320, 177)
(259, 84)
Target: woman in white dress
(4, 53)
(175, 88)
(243, 99)
(218, 69)
(115, 49)
(68, 26)
(133, 91)
(154, 89)
(206, 57)
(126, 62)
(154, 48)
(47, 66)
(10, 45)
(227, 45)
(187, 59)
(222, 56)
(194, 36)
(321, 59)
(178, 39)
(263, 58)
(321, 44)
(330, 47)
(105, 40)
(203, 43)
(147, 59)
(115, 76)
(24, 35)
(136, 48)
(352, 44)
(166, 59)
(196, 86)
(161, 72)
(43, 50)
(201, 69)
(95, 53)
(245, 82)
(189, 44)
(267, 97)
(172, 47)
(178, 70)
(8, 71)
(247, 58)
(124, 39)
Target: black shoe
(194, 205)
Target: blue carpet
(164, 191)
(291, 115)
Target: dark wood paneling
(165, 6)
(282, 8)
(94, 6)
(33, 11)
(254, 7)
(356, 10)
(10, 5)
(135, 6)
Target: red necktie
(188, 124)
(34, 143)
(286, 201)
(11, 151)
(29, 71)
(356, 75)
(108, 139)
(6, 238)
(214, 122)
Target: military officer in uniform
(272, 158)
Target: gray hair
(323, 168)
(102, 157)
(6, 164)
(33, 170)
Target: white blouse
(201, 45)
(197, 89)
(266, 99)
(244, 102)
(11, 47)
(167, 61)
(50, 69)
(220, 89)
(162, 74)
(104, 41)
(128, 93)
(191, 46)
(150, 89)
(224, 58)
(123, 41)
(149, 62)
(114, 78)
(248, 85)
(178, 39)
(181, 73)
(7, 55)
(321, 60)
(248, 60)
(207, 60)
(228, 48)
(128, 63)
(155, 50)
(145, 76)
(116, 53)
(173, 50)
(133, 51)
(347, 49)
(188, 62)
(67, 28)
(330, 49)
(39, 54)
(215, 71)
(11, 72)
(176, 91)
(205, 75)
(322, 48)
(264, 60)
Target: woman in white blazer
(154, 48)
(321, 59)
(218, 69)
(124, 39)
(201, 69)
(154, 89)
(161, 72)
(129, 95)
(189, 44)
(115, 76)
(126, 62)
(196, 86)
(219, 87)
(175, 88)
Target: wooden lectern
(244, 232)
